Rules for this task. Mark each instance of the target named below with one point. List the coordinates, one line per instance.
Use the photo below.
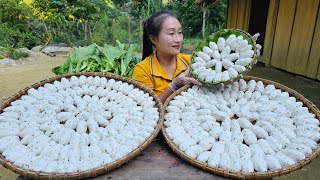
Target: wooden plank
(301, 38)
(230, 13)
(247, 15)
(283, 33)
(314, 57)
(233, 8)
(270, 30)
(241, 14)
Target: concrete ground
(159, 162)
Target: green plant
(16, 54)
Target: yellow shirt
(150, 73)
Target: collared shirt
(150, 73)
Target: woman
(165, 70)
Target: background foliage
(27, 23)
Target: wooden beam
(283, 31)
(301, 38)
(270, 30)
(313, 67)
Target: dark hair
(152, 26)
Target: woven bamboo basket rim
(239, 175)
(95, 171)
(240, 75)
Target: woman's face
(170, 37)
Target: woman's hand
(255, 37)
(182, 80)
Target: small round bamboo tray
(95, 171)
(238, 175)
(225, 33)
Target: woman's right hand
(181, 80)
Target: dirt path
(26, 72)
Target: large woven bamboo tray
(239, 175)
(92, 172)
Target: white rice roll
(207, 50)
(226, 63)
(293, 154)
(211, 63)
(288, 132)
(308, 127)
(225, 136)
(9, 132)
(218, 67)
(221, 43)
(267, 126)
(203, 56)
(241, 43)
(217, 77)
(232, 39)
(51, 167)
(301, 148)
(226, 124)
(283, 159)
(244, 150)
(216, 131)
(273, 163)
(258, 131)
(243, 62)
(259, 86)
(244, 123)
(74, 154)
(246, 48)
(305, 141)
(203, 75)
(237, 137)
(232, 149)
(7, 142)
(251, 85)
(232, 73)
(66, 137)
(75, 139)
(280, 137)
(225, 76)
(194, 151)
(249, 137)
(196, 65)
(210, 77)
(247, 165)
(94, 138)
(243, 85)
(84, 141)
(204, 156)
(265, 146)
(274, 143)
(216, 55)
(71, 123)
(199, 69)
(199, 60)
(218, 147)
(64, 153)
(225, 161)
(235, 164)
(82, 127)
(225, 51)
(234, 126)
(259, 163)
(214, 160)
(213, 46)
(92, 125)
(246, 54)
(232, 56)
(256, 150)
(55, 152)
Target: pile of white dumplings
(76, 124)
(224, 60)
(244, 126)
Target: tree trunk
(204, 10)
(113, 30)
(85, 33)
(129, 30)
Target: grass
(190, 44)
